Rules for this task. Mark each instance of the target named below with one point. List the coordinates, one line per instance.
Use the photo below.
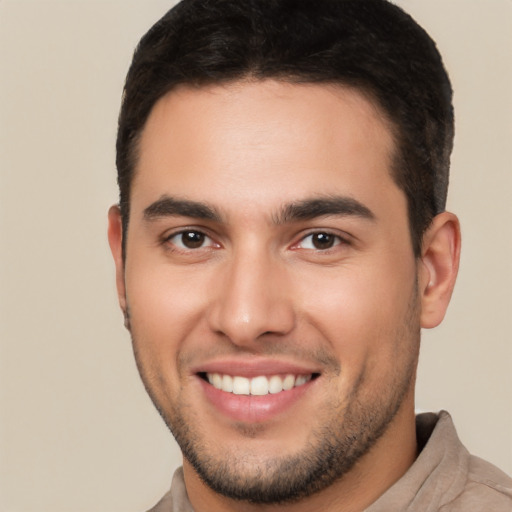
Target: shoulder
(445, 477)
(176, 499)
(486, 488)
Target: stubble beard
(331, 451)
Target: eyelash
(337, 240)
(180, 246)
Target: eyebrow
(309, 209)
(168, 206)
(306, 209)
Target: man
(280, 241)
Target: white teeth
(227, 383)
(217, 381)
(241, 386)
(288, 382)
(300, 380)
(257, 386)
(260, 386)
(275, 384)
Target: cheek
(359, 311)
(165, 307)
(164, 310)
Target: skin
(256, 289)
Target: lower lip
(251, 408)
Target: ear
(438, 267)
(115, 240)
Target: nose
(253, 299)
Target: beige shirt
(444, 477)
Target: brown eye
(320, 241)
(190, 240)
(323, 240)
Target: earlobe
(115, 240)
(439, 267)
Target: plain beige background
(77, 430)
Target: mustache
(318, 356)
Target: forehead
(261, 141)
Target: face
(271, 283)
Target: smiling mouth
(256, 386)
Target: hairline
(395, 158)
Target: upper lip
(255, 367)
